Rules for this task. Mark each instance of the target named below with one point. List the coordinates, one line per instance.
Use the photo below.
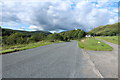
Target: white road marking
(96, 71)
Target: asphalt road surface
(105, 61)
(61, 60)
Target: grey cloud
(55, 15)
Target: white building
(88, 36)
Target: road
(105, 61)
(61, 60)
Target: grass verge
(112, 39)
(9, 49)
(93, 44)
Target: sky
(57, 15)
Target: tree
(54, 37)
(37, 37)
(15, 38)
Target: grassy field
(112, 39)
(93, 44)
(9, 49)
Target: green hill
(7, 32)
(73, 34)
(15, 37)
(107, 30)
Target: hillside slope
(73, 34)
(7, 32)
(107, 30)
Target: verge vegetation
(14, 48)
(93, 44)
(112, 39)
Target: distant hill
(107, 30)
(7, 32)
(73, 34)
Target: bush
(37, 37)
(15, 38)
(54, 37)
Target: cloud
(58, 15)
(115, 10)
(22, 28)
(35, 28)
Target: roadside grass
(9, 49)
(112, 39)
(93, 44)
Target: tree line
(11, 37)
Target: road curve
(61, 60)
